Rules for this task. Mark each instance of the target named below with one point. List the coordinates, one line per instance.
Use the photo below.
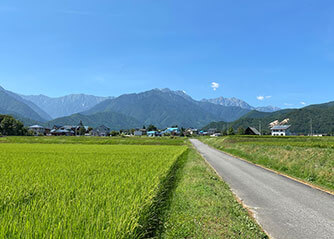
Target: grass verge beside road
(307, 158)
(203, 206)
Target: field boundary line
(152, 222)
(248, 209)
(277, 172)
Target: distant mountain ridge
(66, 105)
(164, 107)
(112, 120)
(12, 104)
(161, 107)
(321, 116)
(239, 103)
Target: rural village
(276, 128)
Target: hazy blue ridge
(66, 105)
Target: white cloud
(214, 85)
(302, 103)
(287, 104)
(261, 97)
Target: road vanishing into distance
(286, 209)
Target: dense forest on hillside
(320, 117)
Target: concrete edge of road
(279, 173)
(249, 210)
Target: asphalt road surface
(285, 209)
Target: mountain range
(161, 107)
(165, 107)
(13, 104)
(240, 103)
(66, 105)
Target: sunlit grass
(308, 158)
(79, 191)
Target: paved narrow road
(284, 208)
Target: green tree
(151, 127)
(10, 126)
(82, 131)
(230, 131)
(241, 131)
(224, 132)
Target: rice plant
(79, 191)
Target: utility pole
(260, 127)
(311, 127)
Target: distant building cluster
(277, 129)
(80, 129)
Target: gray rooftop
(255, 130)
(36, 127)
(282, 127)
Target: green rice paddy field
(78, 187)
(79, 190)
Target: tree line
(9, 126)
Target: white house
(280, 130)
(192, 131)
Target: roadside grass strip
(85, 191)
(305, 158)
(203, 206)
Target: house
(171, 131)
(68, 130)
(101, 131)
(143, 131)
(139, 132)
(203, 133)
(152, 133)
(280, 130)
(252, 131)
(212, 131)
(62, 132)
(191, 131)
(39, 130)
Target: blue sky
(265, 52)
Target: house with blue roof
(171, 131)
(152, 133)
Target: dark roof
(254, 130)
(62, 131)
